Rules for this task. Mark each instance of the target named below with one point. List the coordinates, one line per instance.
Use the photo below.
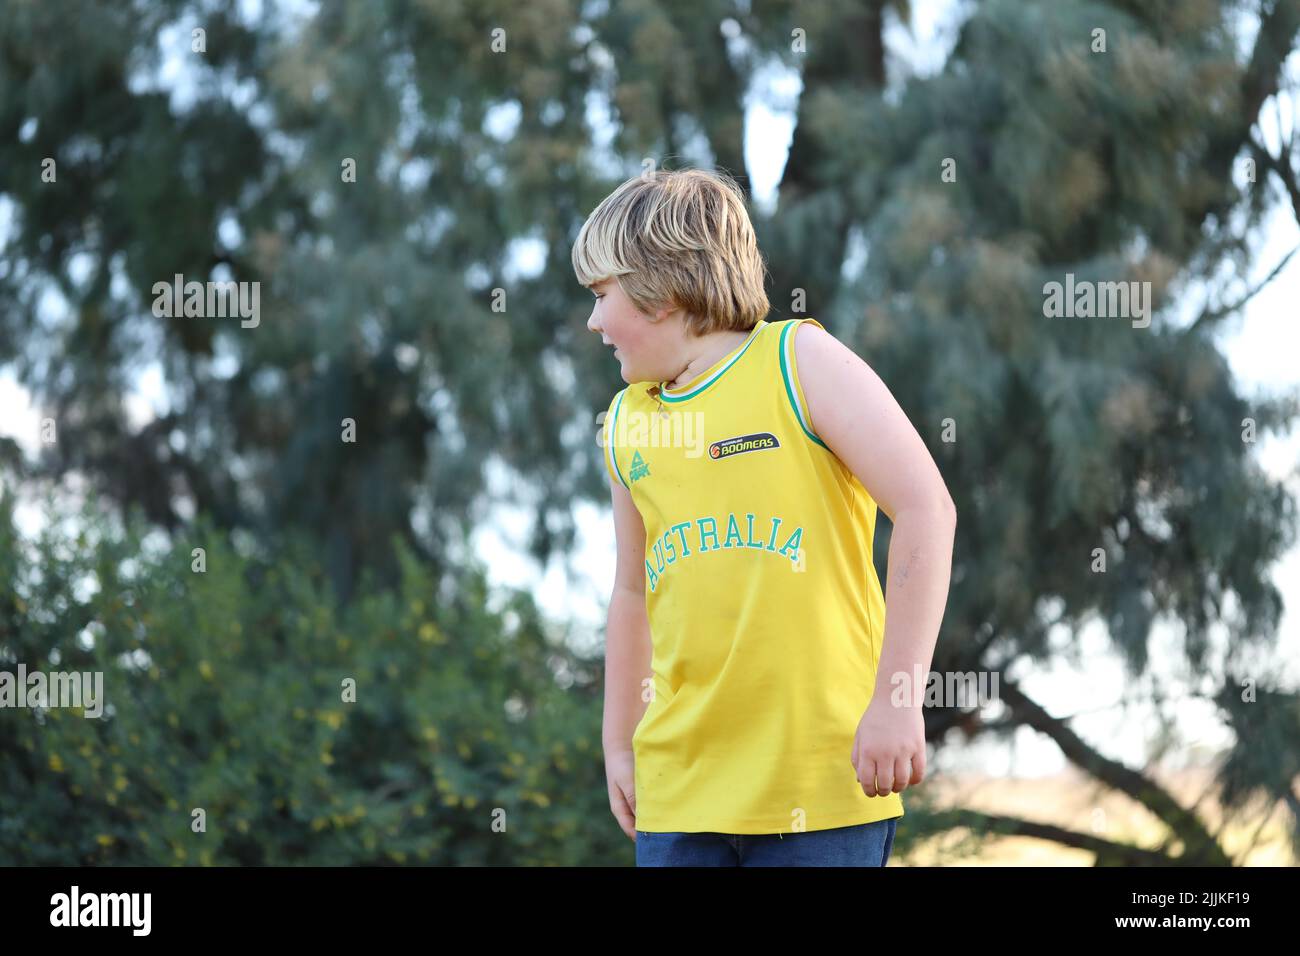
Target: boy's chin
(632, 374)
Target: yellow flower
(56, 763)
(428, 632)
(205, 669)
(104, 840)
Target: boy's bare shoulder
(814, 348)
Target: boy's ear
(662, 313)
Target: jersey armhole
(790, 378)
(610, 430)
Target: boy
(748, 713)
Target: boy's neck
(703, 353)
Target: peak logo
(743, 443)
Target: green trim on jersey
(609, 439)
(713, 376)
(789, 385)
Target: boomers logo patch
(743, 443)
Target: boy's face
(644, 348)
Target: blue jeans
(866, 844)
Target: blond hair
(678, 238)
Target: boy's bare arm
(853, 412)
(627, 632)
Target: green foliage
(224, 692)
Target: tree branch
(1208, 316)
(1278, 26)
(1108, 852)
(1281, 166)
(1199, 847)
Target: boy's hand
(889, 747)
(620, 776)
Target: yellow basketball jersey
(765, 610)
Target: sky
(1261, 346)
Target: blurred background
(390, 481)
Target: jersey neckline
(714, 372)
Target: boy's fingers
(867, 777)
(901, 774)
(624, 813)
